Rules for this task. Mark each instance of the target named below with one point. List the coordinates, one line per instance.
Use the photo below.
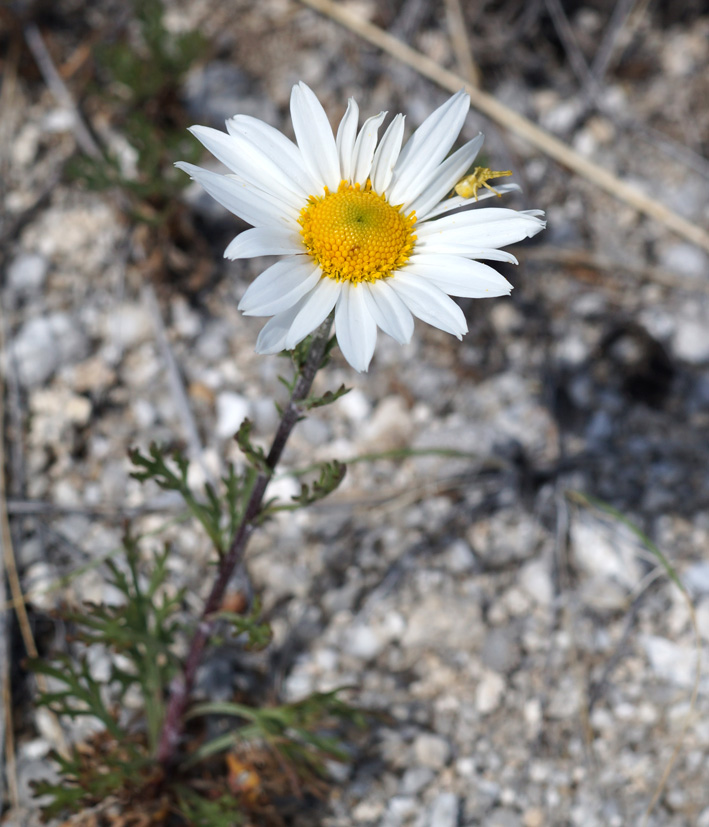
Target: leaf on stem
(326, 399)
(255, 455)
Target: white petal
(239, 197)
(432, 122)
(280, 149)
(346, 136)
(459, 276)
(389, 311)
(483, 194)
(355, 328)
(387, 154)
(429, 303)
(314, 136)
(264, 241)
(252, 164)
(426, 148)
(272, 338)
(280, 286)
(315, 309)
(364, 148)
(486, 227)
(434, 246)
(446, 176)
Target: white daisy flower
(364, 226)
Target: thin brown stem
(182, 685)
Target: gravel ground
(534, 663)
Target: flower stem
(182, 685)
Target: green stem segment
(181, 687)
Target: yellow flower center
(355, 234)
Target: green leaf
(297, 731)
(155, 467)
(259, 632)
(326, 399)
(208, 812)
(254, 454)
(331, 475)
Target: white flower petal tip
(355, 328)
(364, 228)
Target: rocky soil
(534, 662)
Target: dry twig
(458, 33)
(58, 88)
(619, 32)
(10, 569)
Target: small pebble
(432, 751)
(444, 811)
(27, 273)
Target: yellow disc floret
(355, 234)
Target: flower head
(365, 227)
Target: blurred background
(534, 661)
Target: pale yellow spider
(469, 186)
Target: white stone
(534, 817)
(684, 258)
(444, 810)
(25, 145)
(533, 716)
(535, 580)
(696, 578)
(563, 116)
(702, 613)
(572, 350)
(27, 273)
(316, 431)
(326, 659)
(444, 622)
(458, 557)
(670, 661)
(284, 488)
(143, 412)
(566, 698)
(185, 320)
(389, 427)
(298, 685)
(691, 341)
(604, 595)
(38, 581)
(99, 663)
(60, 407)
(232, 410)
(691, 338)
(465, 767)
(355, 405)
(606, 550)
(45, 342)
(60, 119)
(432, 751)
(368, 811)
(130, 324)
(489, 692)
(402, 807)
(415, 779)
(362, 642)
(505, 318)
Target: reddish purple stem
(182, 685)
